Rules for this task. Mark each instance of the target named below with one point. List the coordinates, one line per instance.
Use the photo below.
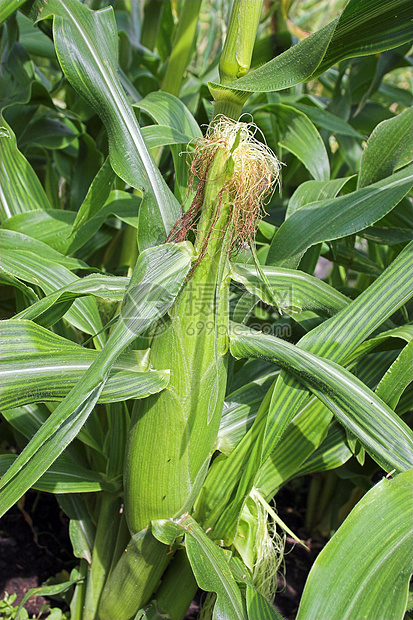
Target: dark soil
(35, 545)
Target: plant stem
(228, 108)
(237, 53)
(182, 46)
(77, 602)
(236, 56)
(105, 541)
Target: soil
(35, 545)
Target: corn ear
(173, 433)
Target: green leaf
(17, 242)
(304, 434)
(230, 480)
(18, 81)
(386, 438)
(96, 196)
(332, 452)
(326, 120)
(208, 561)
(404, 332)
(293, 66)
(28, 293)
(8, 7)
(50, 131)
(157, 279)
(167, 110)
(387, 235)
(162, 135)
(21, 188)
(374, 582)
(51, 308)
(65, 476)
(33, 40)
(39, 366)
(363, 28)
(300, 137)
(28, 263)
(51, 227)
(335, 339)
(54, 227)
(339, 336)
(293, 290)
(81, 527)
(325, 220)
(96, 51)
(239, 412)
(46, 591)
(389, 147)
(368, 27)
(259, 608)
(311, 191)
(397, 378)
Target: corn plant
(170, 359)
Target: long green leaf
(404, 332)
(368, 27)
(385, 437)
(293, 66)
(7, 7)
(208, 561)
(325, 220)
(91, 66)
(293, 290)
(300, 137)
(81, 527)
(374, 581)
(52, 307)
(298, 445)
(157, 279)
(340, 335)
(239, 412)
(55, 227)
(33, 267)
(312, 191)
(324, 119)
(162, 135)
(39, 366)
(165, 109)
(64, 476)
(300, 441)
(259, 608)
(44, 590)
(96, 196)
(21, 189)
(389, 147)
(18, 242)
(331, 453)
(224, 493)
(363, 28)
(397, 378)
